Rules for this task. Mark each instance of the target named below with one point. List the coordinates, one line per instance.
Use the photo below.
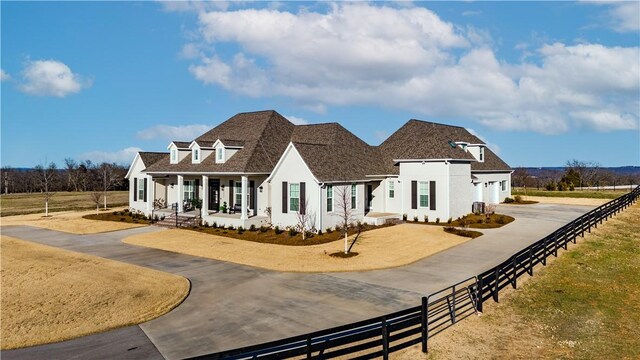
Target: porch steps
(183, 221)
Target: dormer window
(195, 155)
(220, 155)
(174, 156)
(481, 154)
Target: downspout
(320, 186)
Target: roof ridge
(436, 123)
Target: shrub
(214, 225)
(404, 217)
(252, 227)
(293, 232)
(277, 230)
(449, 221)
(263, 229)
(415, 218)
(240, 229)
(328, 230)
(517, 198)
(508, 200)
(426, 219)
(437, 220)
(122, 219)
(126, 210)
(230, 227)
(501, 220)
(115, 213)
(319, 232)
(480, 221)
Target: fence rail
(379, 336)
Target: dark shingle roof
(419, 139)
(263, 135)
(150, 158)
(335, 154)
(182, 144)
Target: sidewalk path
(234, 305)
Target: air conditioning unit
(478, 207)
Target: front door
(369, 198)
(214, 194)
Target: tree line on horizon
(575, 175)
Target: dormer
(225, 149)
(477, 150)
(177, 151)
(200, 150)
(461, 144)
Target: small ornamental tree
(96, 197)
(46, 175)
(344, 210)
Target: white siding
(136, 172)
(331, 219)
(428, 171)
(460, 189)
(487, 187)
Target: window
(174, 155)
(238, 193)
(294, 197)
(329, 198)
(354, 191)
(392, 191)
(220, 155)
(189, 190)
(140, 189)
(423, 192)
(196, 155)
(481, 153)
(503, 185)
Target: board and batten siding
(136, 175)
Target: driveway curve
(234, 305)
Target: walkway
(234, 305)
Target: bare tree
(96, 197)
(519, 177)
(306, 219)
(71, 166)
(342, 201)
(46, 177)
(107, 179)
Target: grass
(584, 305)
(592, 194)
(51, 295)
(33, 203)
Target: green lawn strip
(588, 301)
(33, 203)
(593, 194)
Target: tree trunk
(97, 208)
(346, 242)
(105, 201)
(46, 208)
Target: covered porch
(226, 200)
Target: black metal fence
(377, 337)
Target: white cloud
(408, 58)
(297, 120)
(171, 133)
(4, 76)
(51, 78)
(623, 16)
(124, 156)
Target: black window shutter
(145, 190)
(285, 197)
(432, 195)
(303, 198)
(252, 197)
(231, 193)
(197, 189)
(414, 194)
(135, 189)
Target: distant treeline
(576, 174)
(71, 176)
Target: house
(261, 168)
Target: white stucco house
(267, 168)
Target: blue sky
(540, 82)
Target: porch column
(151, 193)
(205, 194)
(243, 215)
(180, 192)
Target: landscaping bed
(473, 221)
(120, 216)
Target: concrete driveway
(233, 305)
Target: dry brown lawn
(378, 249)
(566, 200)
(51, 295)
(68, 221)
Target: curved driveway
(234, 305)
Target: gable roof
(181, 144)
(150, 158)
(263, 136)
(418, 139)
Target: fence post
(530, 270)
(515, 272)
(589, 222)
(495, 290)
(453, 309)
(556, 244)
(544, 252)
(582, 227)
(425, 330)
(385, 340)
(308, 347)
(480, 294)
